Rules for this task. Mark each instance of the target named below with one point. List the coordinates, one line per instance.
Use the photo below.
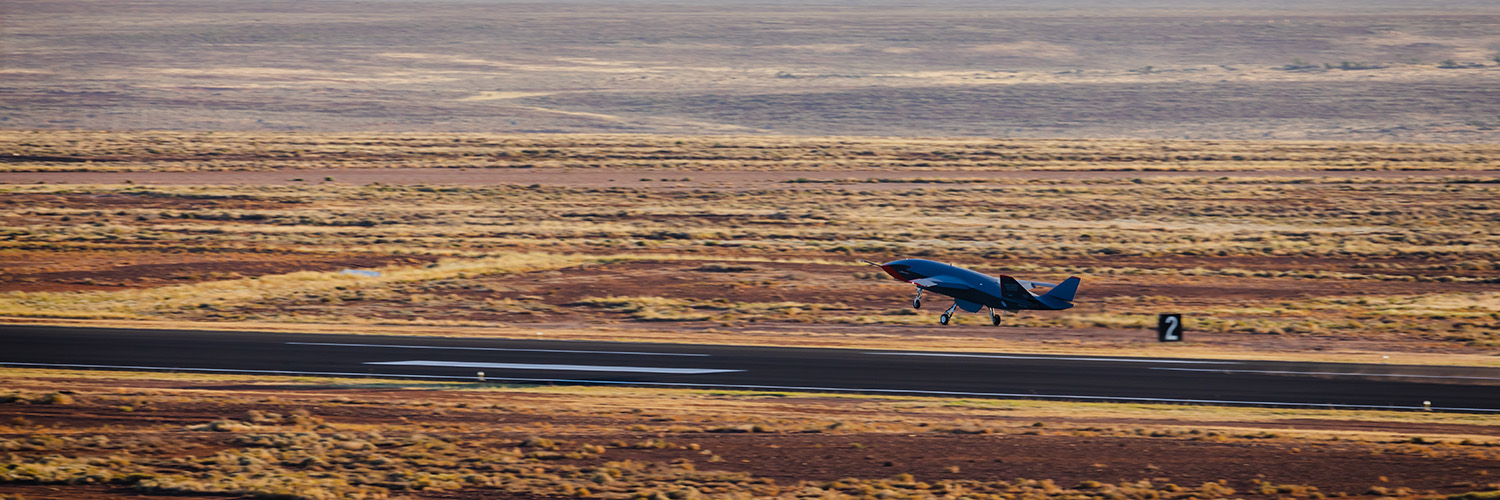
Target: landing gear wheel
(916, 303)
(943, 320)
(995, 318)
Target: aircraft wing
(941, 282)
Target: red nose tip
(892, 272)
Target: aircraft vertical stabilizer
(1064, 290)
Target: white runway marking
(1338, 374)
(569, 368)
(687, 385)
(221, 370)
(1013, 356)
(631, 353)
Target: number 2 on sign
(1173, 326)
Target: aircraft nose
(891, 270)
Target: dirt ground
(554, 302)
(35, 271)
(888, 180)
(1372, 458)
(557, 302)
(822, 300)
(1387, 258)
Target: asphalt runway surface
(997, 375)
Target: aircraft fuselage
(972, 289)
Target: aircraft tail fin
(1063, 292)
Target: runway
(996, 375)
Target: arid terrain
(1341, 251)
(1301, 179)
(101, 435)
(1359, 252)
(1272, 69)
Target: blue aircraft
(973, 290)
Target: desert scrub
(314, 465)
(1104, 219)
(506, 439)
(47, 398)
(909, 487)
(217, 151)
(320, 466)
(74, 443)
(56, 469)
(661, 309)
(971, 202)
(143, 303)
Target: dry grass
(145, 303)
(1387, 253)
(676, 157)
(412, 437)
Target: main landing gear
(947, 315)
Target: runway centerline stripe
(567, 368)
(1011, 356)
(688, 385)
(631, 353)
(1338, 374)
(224, 370)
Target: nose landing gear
(916, 302)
